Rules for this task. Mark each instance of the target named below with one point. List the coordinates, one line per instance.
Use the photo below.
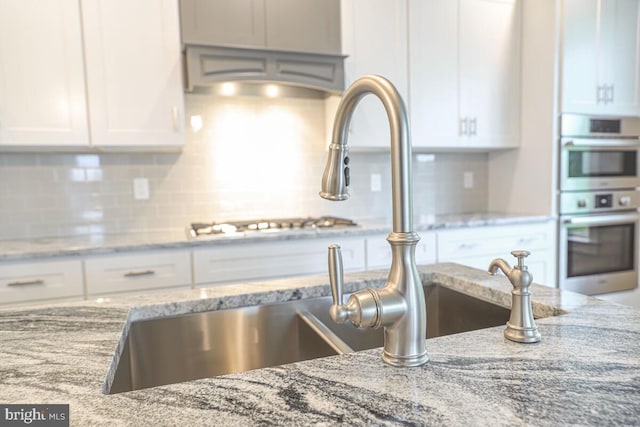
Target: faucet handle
(336, 279)
(521, 255)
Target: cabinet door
(138, 271)
(133, 67)
(311, 26)
(579, 56)
(223, 22)
(374, 38)
(433, 72)
(464, 73)
(42, 94)
(489, 72)
(600, 57)
(618, 55)
(39, 280)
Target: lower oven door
(598, 253)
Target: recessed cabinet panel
(464, 73)
(374, 36)
(600, 57)
(228, 22)
(489, 72)
(303, 25)
(133, 66)
(42, 93)
(433, 33)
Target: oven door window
(600, 249)
(592, 163)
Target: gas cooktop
(199, 229)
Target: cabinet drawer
(131, 272)
(379, 250)
(471, 242)
(253, 261)
(29, 281)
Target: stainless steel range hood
(209, 66)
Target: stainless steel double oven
(599, 220)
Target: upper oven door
(598, 164)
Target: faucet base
(520, 334)
(405, 361)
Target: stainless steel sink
(188, 347)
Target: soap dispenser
(521, 326)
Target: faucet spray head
(336, 174)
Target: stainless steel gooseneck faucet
(399, 306)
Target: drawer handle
(467, 245)
(139, 273)
(27, 283)
(525, 240)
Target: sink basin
(188, 347)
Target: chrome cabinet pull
(139, 273)
(613, 93)
(599, 97)
(462, 127)
(473, 126)
(27, 282)
(174, 116)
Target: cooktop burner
(276, 224)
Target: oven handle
(601, 219)
(601, 142)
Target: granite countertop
(177, 238)
(585, 371)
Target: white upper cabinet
(464, 73)
(310, 26)
(133, 65)
(42, 86)
(600, 57)
(374, 38)
(119, 87)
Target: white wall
(524, 180)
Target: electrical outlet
(141, 188)
(376, 182)
(467, 179)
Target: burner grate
(274, 224)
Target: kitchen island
(586, 369)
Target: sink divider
(327, 335)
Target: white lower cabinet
(379, 250)
(229, 262)
(138, 271)
(476, 247)
(262, 260)
(40, 280)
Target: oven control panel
(598, 201)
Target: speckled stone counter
(172, 238)
(585, 371)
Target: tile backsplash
(244, 158)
